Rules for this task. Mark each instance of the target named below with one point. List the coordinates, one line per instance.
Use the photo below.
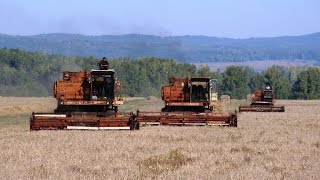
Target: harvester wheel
(234, 121)
(133, 122)
(136, 125)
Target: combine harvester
(188, 101)
(262, 101)
(86, 100)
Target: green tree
(234, 82)
(204, 71)
(257, 81)
(307, 85)
(277, 78)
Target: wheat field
(264, 146)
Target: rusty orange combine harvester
(86, 100)
(262, 101)
(189, 101)
(90, 100)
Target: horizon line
(162, 36)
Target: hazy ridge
(192, 49)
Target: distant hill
(192, 49)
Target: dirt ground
(264, 146)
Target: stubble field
(264, 146)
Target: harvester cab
(103, 83)
(188, 94)
(94, 91)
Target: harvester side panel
(175, 94)
(69, 90)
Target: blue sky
(222, 18)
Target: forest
(33, 73)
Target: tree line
(295, 82)
(33, 74)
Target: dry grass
(265, 145)
(18, 105)
(156, 165)
(139, 103)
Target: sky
(221, 18)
